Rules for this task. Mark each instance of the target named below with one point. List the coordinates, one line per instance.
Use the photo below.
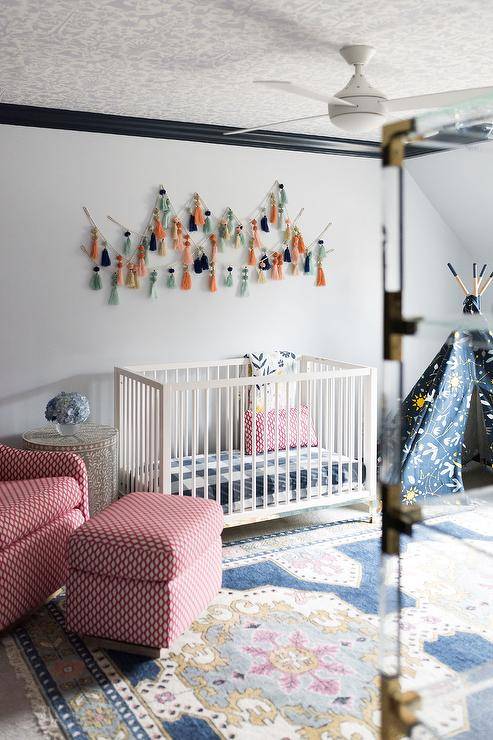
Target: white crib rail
(173, 419)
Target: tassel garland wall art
(196, 249)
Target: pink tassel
(187, 253)
(255, 234)
(213, 241)
(141, 262)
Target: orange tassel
(251, 256)
(186, 281)
(158, 228)
(213, 241)
(295, 254)
(119, 279)
(187, 253)
(273, 212)
(301, 244)
(141, 262)
(213, 284)
(320, 276)
(94, 244)
(198, 213)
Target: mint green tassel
(114, 299)
(170, 282)
(228, 282)
(322, 253)
(145, 244)
(166, 209)
(207, 227)
(244, 282)
(231, 221)
(223, 234)
(153, 284)
(95, 282)
(127, 244)
(283, 198)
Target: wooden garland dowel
(125, 228)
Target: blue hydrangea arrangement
(68, 408)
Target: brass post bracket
(394, 139)
(398, 717)
(395, 325)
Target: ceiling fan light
(358, 121)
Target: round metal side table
(97, 445)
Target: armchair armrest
(28, 464)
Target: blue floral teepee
(448, 415)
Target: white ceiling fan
(359, 107)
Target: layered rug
(289, 649)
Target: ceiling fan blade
(436, 100)
(305, 92)
(274, 123)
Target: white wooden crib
(182, 431)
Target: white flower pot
(67, 430)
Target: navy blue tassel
(307, 263)
(197, 265)
(204, 261)
(192, 226)
(287, 255)
(264, 262)
(105, 258)
(264, 223)
(153, 243)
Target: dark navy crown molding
(104, 123)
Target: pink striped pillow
(306, 424)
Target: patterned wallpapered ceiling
(193, 60)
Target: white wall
(56, 333)
(429, 289)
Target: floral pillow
(278, 362)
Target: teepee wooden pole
(487, 284)
(458, 280)
(475, 278)
(480, 277)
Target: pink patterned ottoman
(144, 568)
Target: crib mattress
(331, 468)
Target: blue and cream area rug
(289, 649)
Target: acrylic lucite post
(436, 594)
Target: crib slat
(360, 433)
(266, 492)
(218, 443)
(351, 431)
(230, 413)
(309, 461)
(319, 433)
(288, 444)
(254, 448)
(298, 446)
(206, 439)
(242, 449)
(181, 441)
(276, 445)
(194, 442)
(339, 432)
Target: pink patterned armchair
(43, 499)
